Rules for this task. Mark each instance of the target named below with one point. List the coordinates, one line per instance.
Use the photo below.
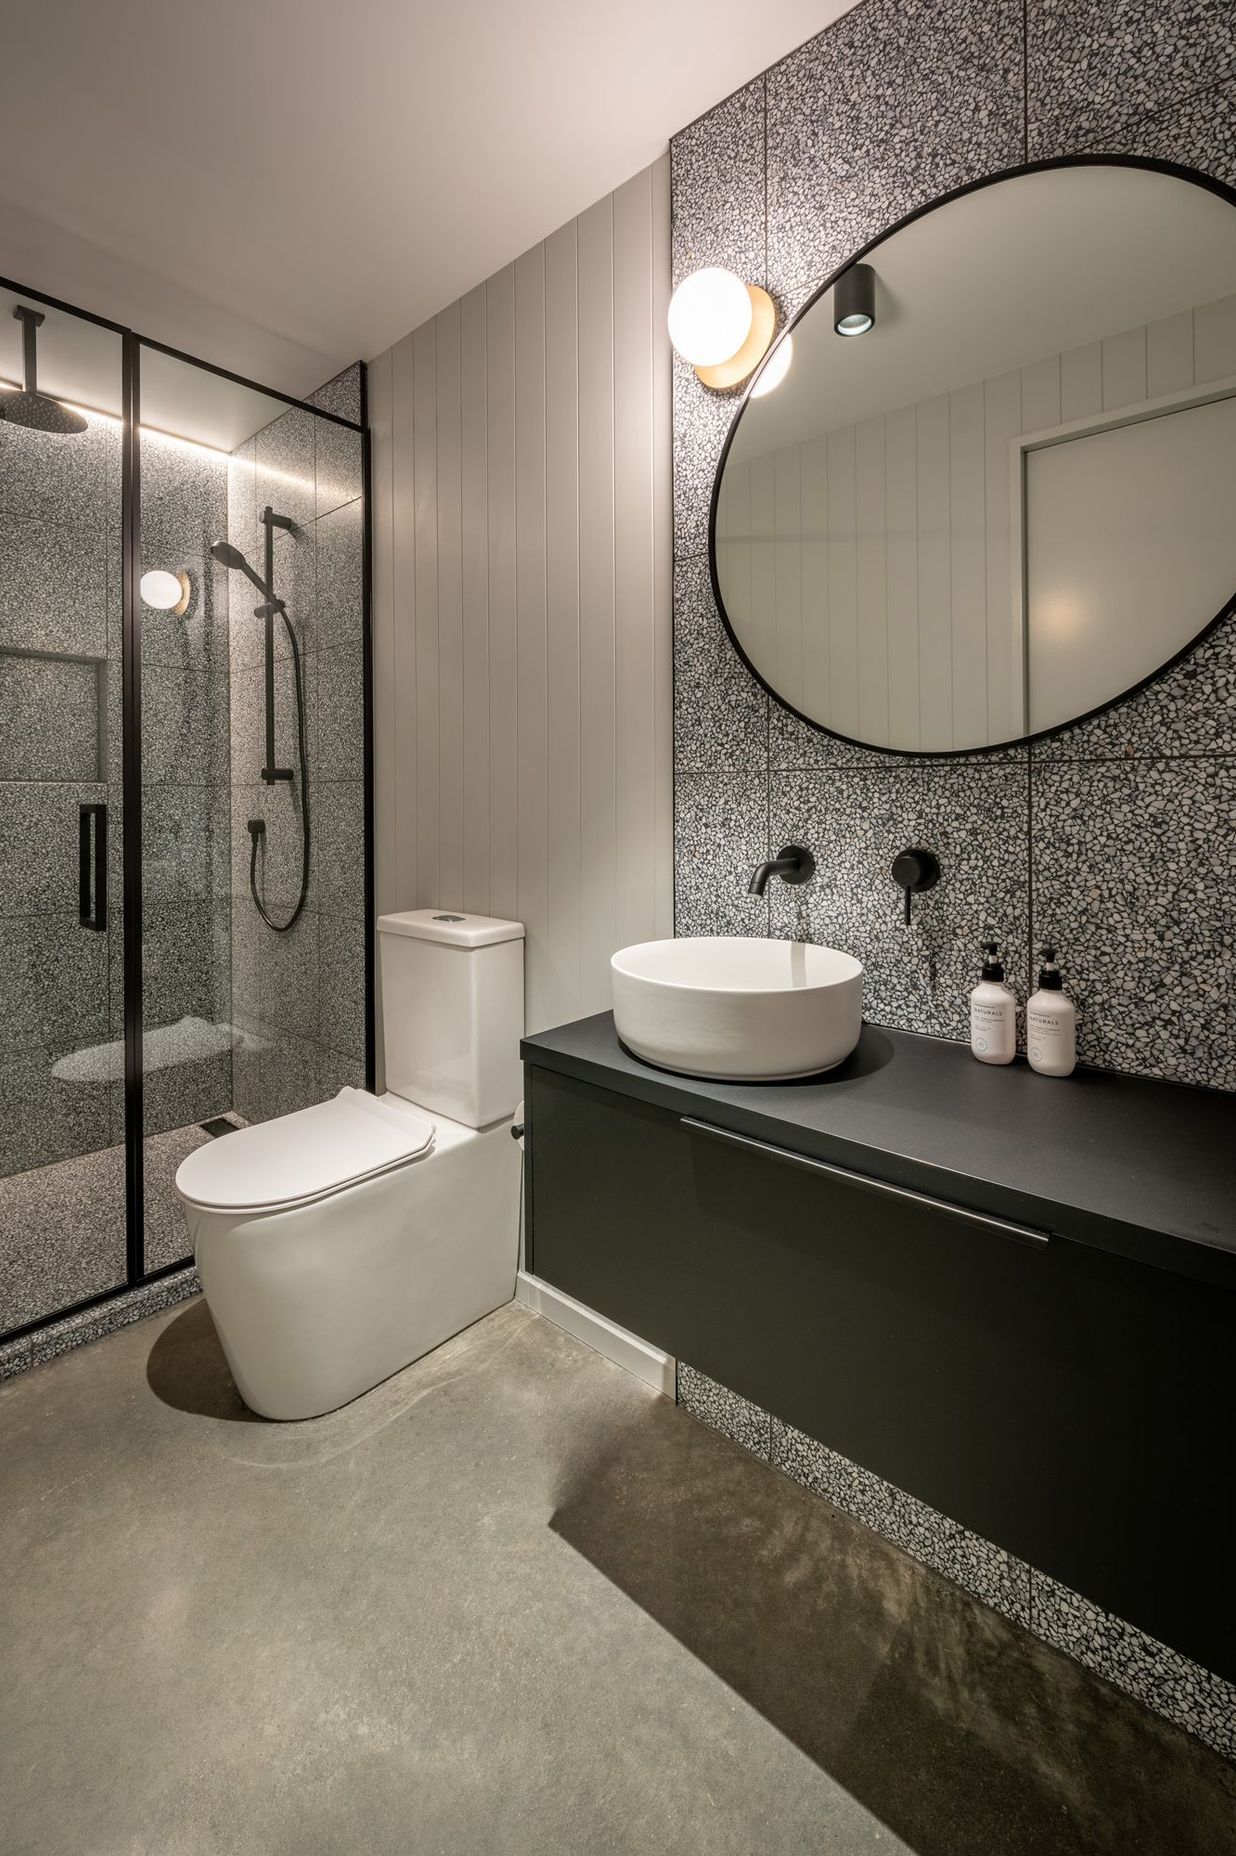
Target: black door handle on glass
(92, 866)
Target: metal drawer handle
(1022, 1233)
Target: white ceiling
(284, 185)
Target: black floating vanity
(1011, 1296)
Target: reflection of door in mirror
(1125, 524)
(1038, 411)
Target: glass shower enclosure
(185, 782)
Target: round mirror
(995, 490)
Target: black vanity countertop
(1141, 1168)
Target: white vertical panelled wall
(522, 601)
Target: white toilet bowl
(338, 1244)
(319, 1296)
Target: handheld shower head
(228, 556)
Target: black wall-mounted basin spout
(792, 864)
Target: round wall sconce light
(854, 301)
(721, 325)
(166, 592)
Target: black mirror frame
(1206, 181)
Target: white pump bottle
(993, 1012)
(1051, 1022)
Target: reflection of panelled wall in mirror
(1010, 502)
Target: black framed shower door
(203, 1023)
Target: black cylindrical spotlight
(854, 301)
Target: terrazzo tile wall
(1156, 1675)
(1116, 840)
(298, 999)
(59, 749)
(186, 927)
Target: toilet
(338, 1244)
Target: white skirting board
(635, 1356)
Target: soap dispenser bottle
(1051, 1022)
(993, 1012)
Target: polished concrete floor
(510, 1601)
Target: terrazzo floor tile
(62, 1235)
(91, 1324)
(165, 1233)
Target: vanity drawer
(1065, 1403)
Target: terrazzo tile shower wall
(60, 749)
(186, 958)
(1115, 840)
(298, 999)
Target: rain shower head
(38, 412)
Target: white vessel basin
(738, 1008)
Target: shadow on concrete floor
(187, 1370)
(961, 1733)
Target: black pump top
(993, 968)
(1050, 978)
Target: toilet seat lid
(303, 1156)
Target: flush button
(448, 918)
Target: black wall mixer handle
(92, 866)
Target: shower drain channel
(217, 1125)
